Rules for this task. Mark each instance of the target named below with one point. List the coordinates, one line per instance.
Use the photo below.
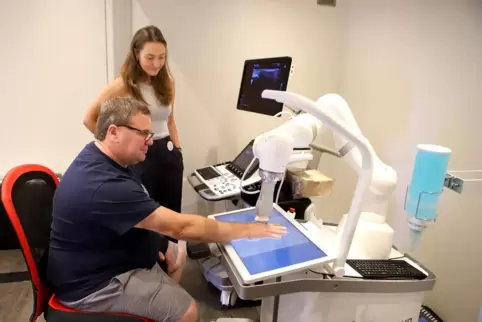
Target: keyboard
(208, 173)
(385, 269)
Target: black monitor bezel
(285, 77)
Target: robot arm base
(339, 271)
(261, 220)
(264, 205)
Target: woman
(145, 76)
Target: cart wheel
(233, 298)
(225, 297)
(229, 298)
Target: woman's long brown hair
(132, 73)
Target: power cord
(279, 188)
(325, 275)
(285, 112)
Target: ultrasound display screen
(243, 160)
(261, 74)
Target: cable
(324, 149)
(284, 112)
(242, 179)
(279, 188)
(293, 111)
(325, 275)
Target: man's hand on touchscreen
(261, 230)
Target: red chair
(27, 195)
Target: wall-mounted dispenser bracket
(454, 179)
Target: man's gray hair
(118, 111)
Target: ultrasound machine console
(223, 180)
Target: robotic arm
(384, 178)
(274, 150)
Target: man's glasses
(147, 134)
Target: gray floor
(16, 298)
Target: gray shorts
(149, 293)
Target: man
(108, 236)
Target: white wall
(119, 34)
(53, 63)
(412, 72)
(208, 42)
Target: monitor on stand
(258, 75)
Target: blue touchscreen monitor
(267, 254)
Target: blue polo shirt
(93, 238)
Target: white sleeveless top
(159, 113)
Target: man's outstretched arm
(191, 227)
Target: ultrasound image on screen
(243, 160)
(258, 76)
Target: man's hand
(175, 258)
(162, 257)
(260, 230)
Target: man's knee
(191, 314)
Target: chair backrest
(27, 195)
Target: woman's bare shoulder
(117, 87)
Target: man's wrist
(217, 231)
(237, 231)
(243, 230)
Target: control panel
(224, 180)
